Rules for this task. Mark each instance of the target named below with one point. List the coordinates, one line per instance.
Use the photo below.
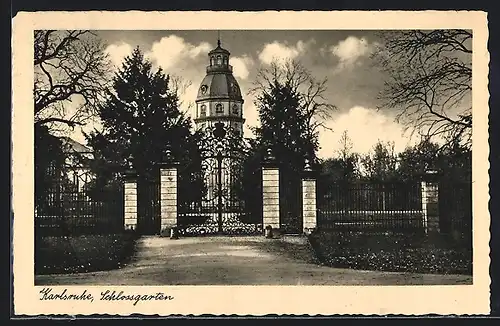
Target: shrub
(391, 251)
(84, 253)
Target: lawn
(83, 253)
(397, 252)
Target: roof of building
(219, 82)
(220, 86)
(72, 146)
(219, 49)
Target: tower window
(219, 108)
(235, 110)
(219, 60)
(203, 111)
(225, 61)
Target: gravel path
(236, 261)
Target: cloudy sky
(341, 56)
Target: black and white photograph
(325, 157)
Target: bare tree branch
(429, 80)
(293, 74)
(70, 67)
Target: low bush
(398, 252)
(83, 253)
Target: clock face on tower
(204, 89)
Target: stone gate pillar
(430, 202)
(130, 200)
(309, 218)
(168, 195)
(270, 193)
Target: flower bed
(398, 252)
(84, 253)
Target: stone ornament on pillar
(430, 201)
(130, 200)
(270, 194)
(309, 214)
(168, 195)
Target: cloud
(118, 52)
(350, 50)
(365, 127)
(281, 51)
(172, 50)
(241, 66)
(251, 115)
(187, 97)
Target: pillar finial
(167, 155)
(269, 155)
(218, 38)
(307, 165)
(130, 164)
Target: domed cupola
(219, 96)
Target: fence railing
(75, 212)
(368, 205)
(392, 206)
(290, 202)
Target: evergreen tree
(141, 120)
(453, 161)
(291, 110)
(291, 106)
(283, 127)
(141, 117)
(414, 161)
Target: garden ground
(236, 261)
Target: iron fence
(74, 211)
(290, 202)
(148, 205)
(227, 202)
(455, 206)
(369, 205)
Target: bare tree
(71, 74)
(314, 104)
(180, 86)
(380, 163)
(429, 80)
(348, 159)
(346, 145)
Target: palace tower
(219, 96)
(219, 103)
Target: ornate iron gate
(148, 205)
(223, 207)
(290, 201)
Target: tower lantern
(219, 98)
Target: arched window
(219, 108)
(235, 109)
(203, 110)
(219, 60)
(211, 61)
(225, 61)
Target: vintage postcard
(250, 163)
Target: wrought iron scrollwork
(221, 209)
